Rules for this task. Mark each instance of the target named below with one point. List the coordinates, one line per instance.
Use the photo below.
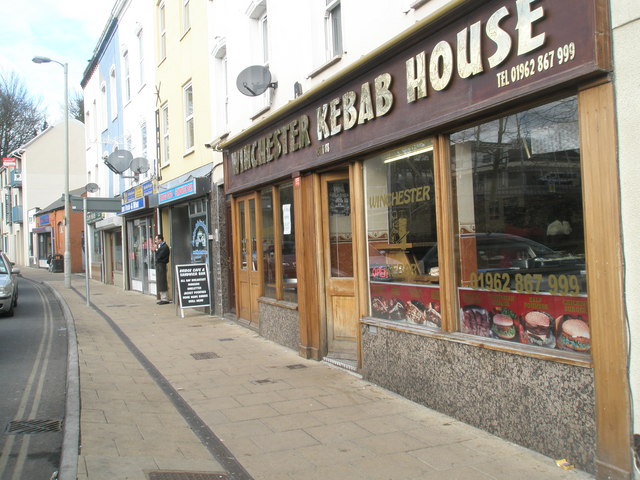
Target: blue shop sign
(137, 204)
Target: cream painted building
(41, 167)
(182, 91)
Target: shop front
(141, 229)
(42, 240)
(95, 246)
(184, 205)
(443, 218)
(109, 232)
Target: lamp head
(40, 59)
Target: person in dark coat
(162, 259)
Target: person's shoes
(163, 302)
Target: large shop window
(278, 243)
(401, 234)
(518, 201)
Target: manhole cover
(18, 427)
(296, 366)
(167, 475)
(205, 355)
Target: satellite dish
(139, 165)
(255, 80)
(92, 187)
(119, 160)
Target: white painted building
(625, 18)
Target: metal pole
(67, 203)
(86, 252)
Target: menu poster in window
(550, 321)
(339, 205)
(410, 303)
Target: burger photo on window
(503, 326)
(538, 328)
(573, 334)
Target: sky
(63, 30)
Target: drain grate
(205, 355)
(225, 339)
(296, 366)
(18, 427)
(171, 475)
(265, 380)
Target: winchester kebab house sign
(485, 58)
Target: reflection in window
(279, 243)
(340, 234)
(521, 243)
(401, 233)
(288, 244)
(268, 243)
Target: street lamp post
(67, 204)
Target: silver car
(8, 285)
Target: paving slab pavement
(164, 395)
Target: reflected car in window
(8, 285)
(505, 253)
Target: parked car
(8, 285)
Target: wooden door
(339, 266)
(248, 258)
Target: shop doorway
(339, 256)
(248, 258)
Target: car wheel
(10, 311)
(15, 301)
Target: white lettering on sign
(469, 52)
(343, 113)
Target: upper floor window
(333, 29)
(264, 38)
(143, 139)
(162, 32)
(258, 12)
(186, 22)
(221, 95)
(127, 76)
(189, 140)
(141, 56)
(103, 106)
(113, 93)
(165, 134)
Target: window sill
(325, 66)
(165, 165)
(188, 152)
(278, 303)
(539, 353)
(184, 34)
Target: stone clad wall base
(545, 406)
(279, 324)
